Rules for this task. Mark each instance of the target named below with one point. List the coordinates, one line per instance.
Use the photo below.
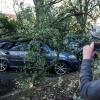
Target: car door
(17, 55)
(48, 53)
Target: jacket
(89, 88)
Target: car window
(16, 48)
(21, 47)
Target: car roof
(9, 43)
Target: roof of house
(9, 15)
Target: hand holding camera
(88, 51)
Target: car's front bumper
(74, 64)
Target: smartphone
(97, 46)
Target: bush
(6, 24)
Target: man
(89, 88)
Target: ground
(65, 87)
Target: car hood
(3, 52)
(62, 54)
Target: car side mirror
(44, 51)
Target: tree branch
(52, 3)
(66, 16)
(92, 8)
(55, 1)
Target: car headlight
(72, 56)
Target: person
(89, 88)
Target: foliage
(7, 25)
(25, 22)
(84, 10)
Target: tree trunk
(82, 19)
(40, 12)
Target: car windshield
(7, 45)
(2, 44)
(20, 47)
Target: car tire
(61, 68)
(3, 65)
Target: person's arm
(90, 90)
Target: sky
(6, 6)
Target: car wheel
(3, 66)
(61, 68)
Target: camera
(97, 46)
(95, 32)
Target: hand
(88, 51)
